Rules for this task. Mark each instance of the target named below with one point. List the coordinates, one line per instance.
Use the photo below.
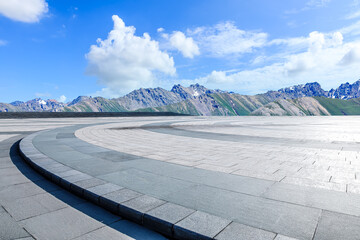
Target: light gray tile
(334, 226)
(9, 229)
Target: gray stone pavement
(150, 165)
(31, 207)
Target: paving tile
(77, 177)
(79, 186)
(111, 200)
(282, 237)
(89, 183)
(337, 226)
(97, 213)
(106, 232)
(13, 192)
(93, 193)
(27, 207)
(9, 229)
(135, 231)
(65, 223)
(134, 209)
(314, 183)
(240, 231)
(163, 218)
(71, 172)
(147, 182)
(274, 216)
(208, 226)
(314, 197)
(67, 197)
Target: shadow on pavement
(132, 230)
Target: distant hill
(298, 100)
(141, 98)
(34, 105)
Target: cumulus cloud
(62, 99)
(185, 45)
(352, 56)
(124, 61)
(322, 57)
(226, 39)
(28, 11)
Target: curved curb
(172, 220)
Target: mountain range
(298, 100)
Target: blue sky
(63, 49)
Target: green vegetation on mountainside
(216, 104)
(340, 106)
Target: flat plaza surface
(31, 207)
(263, 177)
(313, 151)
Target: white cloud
(317, 3)
(28, 11)
(124, 62)
(226, 39)
(326, 59)
(185, 45)
(352, 30)
(159, 30)
(352, 56)
(62, 99)
(3, 42)
(353, 15)
(311, 4)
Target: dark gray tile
(79, 187)
(19, 191)
(111, 200)
(135, 231)
(97, 213)
(65, 223)
(200, 225)
(116, 156)
(77, 177)
(65, 135)
(89, 183)
(23, 208)
(147, 182)
(315, 197)
(134, 209)
(274, 216)
(90, 149)
(104, 189)
(240, 231)
(163, 218)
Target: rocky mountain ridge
(198, 100)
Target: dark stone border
(171, 220)
(9, 115)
